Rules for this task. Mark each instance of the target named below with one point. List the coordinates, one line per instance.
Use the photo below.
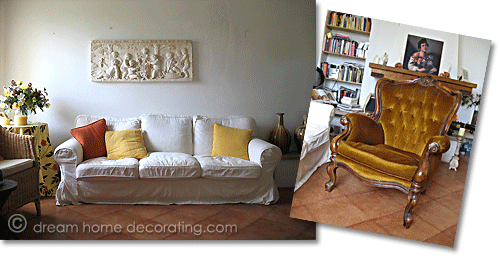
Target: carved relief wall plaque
(141, 60)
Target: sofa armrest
(265, 154)
(69, 152)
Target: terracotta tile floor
(356, 205)
(124, 222)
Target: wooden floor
(354, 204)
(130, 222)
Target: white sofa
(179, 169)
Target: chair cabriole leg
(413, 196)
(331, 170)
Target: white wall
(2, 40)
(458, 51)
(250, 58)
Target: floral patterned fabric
(49, 174)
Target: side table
(49, 176)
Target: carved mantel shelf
(400, 74)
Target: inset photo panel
(391, 128)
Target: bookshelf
(343, 54)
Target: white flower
(21, 96)
(3, 105)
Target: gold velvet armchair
(400, 145)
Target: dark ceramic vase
(299, 134)
(280, 135)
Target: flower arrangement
(23, 98)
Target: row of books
(341, 44)
(350, 72)
(350, 21)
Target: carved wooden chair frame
(421, 179)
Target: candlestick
(461, 132)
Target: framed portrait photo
(423, 54)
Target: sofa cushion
(203, 130)
(113, 123)
(102, 168)
(164, 133)
(231, 142)
(91, 137)
(224, 167)
(169, 165)
(382, 158)
(9, 167)
(125, 144)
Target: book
(349, 21)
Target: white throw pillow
(163, 133)
(113, 123)
(204, 130)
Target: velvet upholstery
(412, 114)
(400, 146)
(382, 158)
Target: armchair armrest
(69, 152)
(436, 146)
(359, 128)
(364, 129)
(265, 154)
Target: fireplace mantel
(399, 74)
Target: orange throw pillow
(91, 137)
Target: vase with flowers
(23, 100)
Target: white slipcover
(256, 186)
(224, 167)
(316, 147)
(164, 133)
(169, 165)
(102, 169)
(113, 123)
(204, 130)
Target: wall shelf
(337, 54)
(355, 83)
(400, 74)
(333, 27)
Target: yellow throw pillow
(125, 144)
(231, 142)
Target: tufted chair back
(412, 112)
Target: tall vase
(299, 134)
(280, 135)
